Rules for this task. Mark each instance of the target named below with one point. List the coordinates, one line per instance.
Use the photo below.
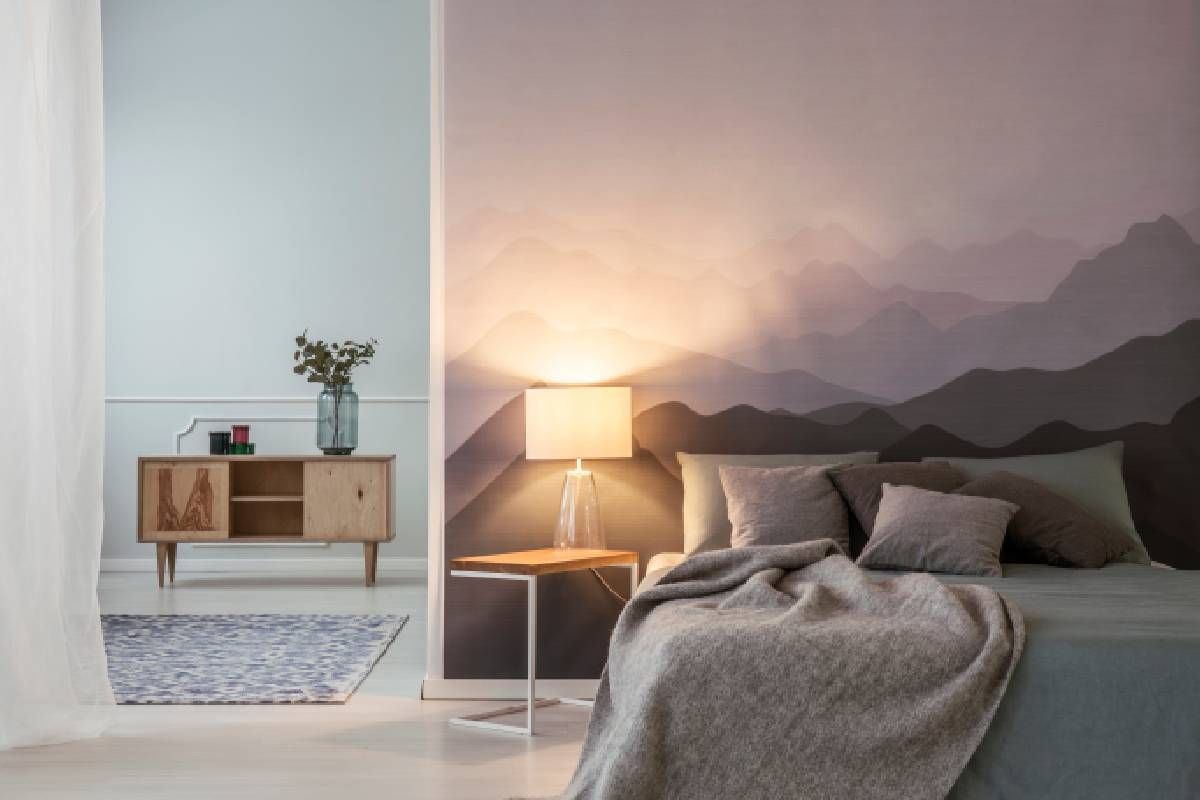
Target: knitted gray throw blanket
(786, 672)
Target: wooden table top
(268, 457)
(544, 561)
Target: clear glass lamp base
(579, 512)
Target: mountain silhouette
(523, 350)
(1022, 266)
(1191, 223)
(1146, 285)
(574, 289)
(710, 384)
(486, 453)
(894, 353)
(672, 427)
(829, 243)
(480, 236)
(1147, 379)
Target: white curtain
(53, 678)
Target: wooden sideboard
(253, 499)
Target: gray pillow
(1091, 478)
(1049, 528)
(784, 505)
(928, 531)
(862, 486)
(705, 515)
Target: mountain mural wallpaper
(920, 228)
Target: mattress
(1105, 702)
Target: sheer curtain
(53, 679)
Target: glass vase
(337, 419)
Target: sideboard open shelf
(261, 499)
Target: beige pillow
(784, 505)
(916, 529)
(705, 515)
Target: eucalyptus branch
(330, 362)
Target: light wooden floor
(383, 743)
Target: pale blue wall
(267, 171)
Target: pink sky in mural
(960, 122)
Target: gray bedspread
(1105, 702)
(788, 671)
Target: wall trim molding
(408, 567)
(231, 400)
(505, 689)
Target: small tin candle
(241, 434)
(218, 443)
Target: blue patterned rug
(243, 658)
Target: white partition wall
(437, 357)
(800, 227)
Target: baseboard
(505, 689)
(344, 564)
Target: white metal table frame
(481, 720)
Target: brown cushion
(862, 486)
(784, 505)
(933, 532)
(1049, 528)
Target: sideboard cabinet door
(184, 501)
(346, 500)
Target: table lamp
(565, 422)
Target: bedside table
(527, 566)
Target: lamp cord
(610, 589)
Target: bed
(1105, 701)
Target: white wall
(267, 171)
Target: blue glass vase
(337, 419)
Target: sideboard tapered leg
(161, 552)
(370, 559)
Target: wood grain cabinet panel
(183, 502)
(347, 500)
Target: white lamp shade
(567, 422)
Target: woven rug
(243, 658)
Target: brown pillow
(934, 532)
(783, 505)
(1049, 528)
(862, 486)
